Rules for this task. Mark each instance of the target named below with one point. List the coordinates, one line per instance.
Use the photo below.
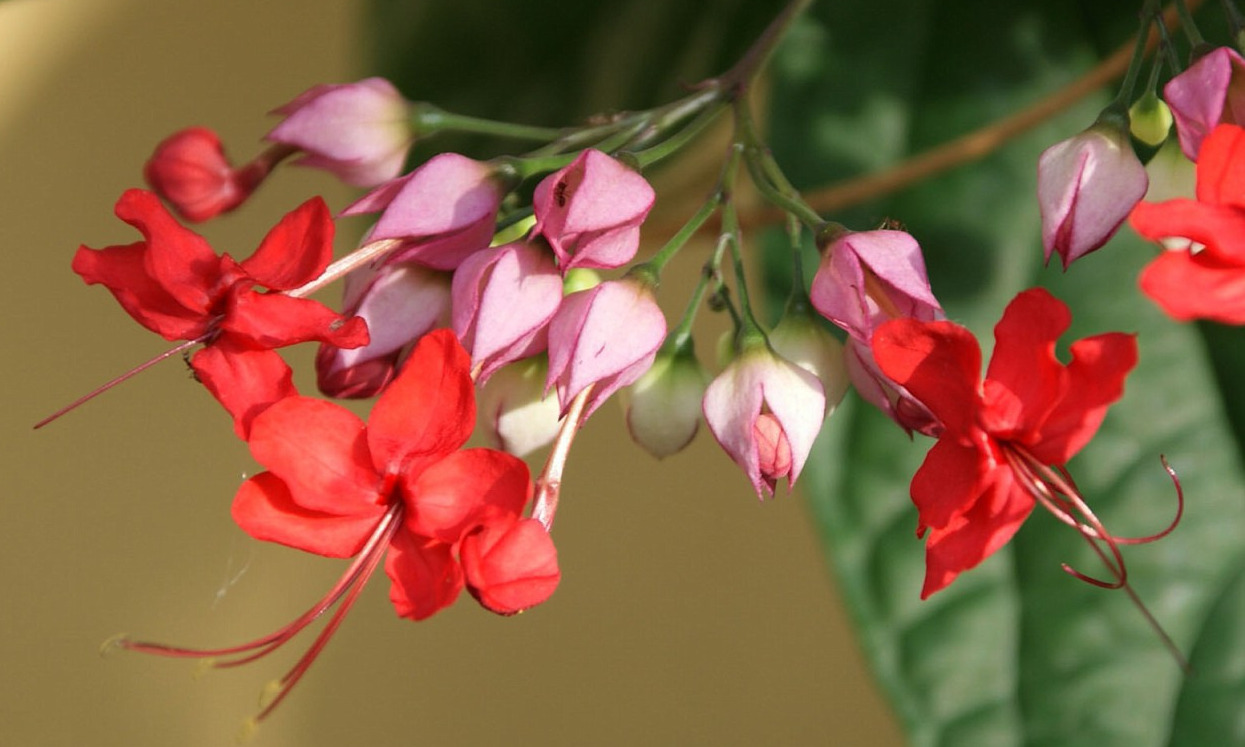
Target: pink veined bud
(190, 171)
(590, 212)
(1211, 91)
(765, 412)
(1087, 185)
(503, 300)
(401, 303)
(865, 279)
(360, 132)
(604, 337)
(514, 411)
(442, 212)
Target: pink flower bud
(591, 211)
(606, 337)
(190, 171)
(866, 278)
(360, 131)
(1087, 185)
(401, 303)
(513, 410)
(1210, 92)
(442, 211)
(503, 300)
(663, 405)
(765, 411)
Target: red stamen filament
(346, 590)
(1057, 492)
(123, 377)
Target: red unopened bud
(190, 171)
(510, 567)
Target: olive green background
(689, 613)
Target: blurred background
(689, 613)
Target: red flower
(980, 481)
(174, 284)
(397, 488)
(1202, 276)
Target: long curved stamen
(348, 586)
(123, 377)
(1057, 492)
(1063, 500)
(282, 687)
(1144, 540)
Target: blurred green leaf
(1016, 651)
(555, 63)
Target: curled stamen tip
(118, 641)
(204, 666)
(271, 692)
(247, 732)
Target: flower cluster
(518, 276)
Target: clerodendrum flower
(173, 283)
(1202, 274)
(1002, 436)
(398, 488)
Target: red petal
(1095, 380)
(939, 363)
(425, 576)
(1193, 287)
(1025, 379)
(429, 410)
(296, 250)
(177, 258)
(265, 510)
(950, 480)
(464, 490)
(977, 534)
(273, 320)
(123, 271)
(1220, 228)
(511, 567)
(1220, 178)
(320, 450)
(246, 381)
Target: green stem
(655, 265)
(681, 336)
(674, 143)
(736, 80)
(1149, 12)
(731, 237)
(765, 171)
(428, 120)
(1190, 28)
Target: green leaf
(1016, 651)
(554, 63)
